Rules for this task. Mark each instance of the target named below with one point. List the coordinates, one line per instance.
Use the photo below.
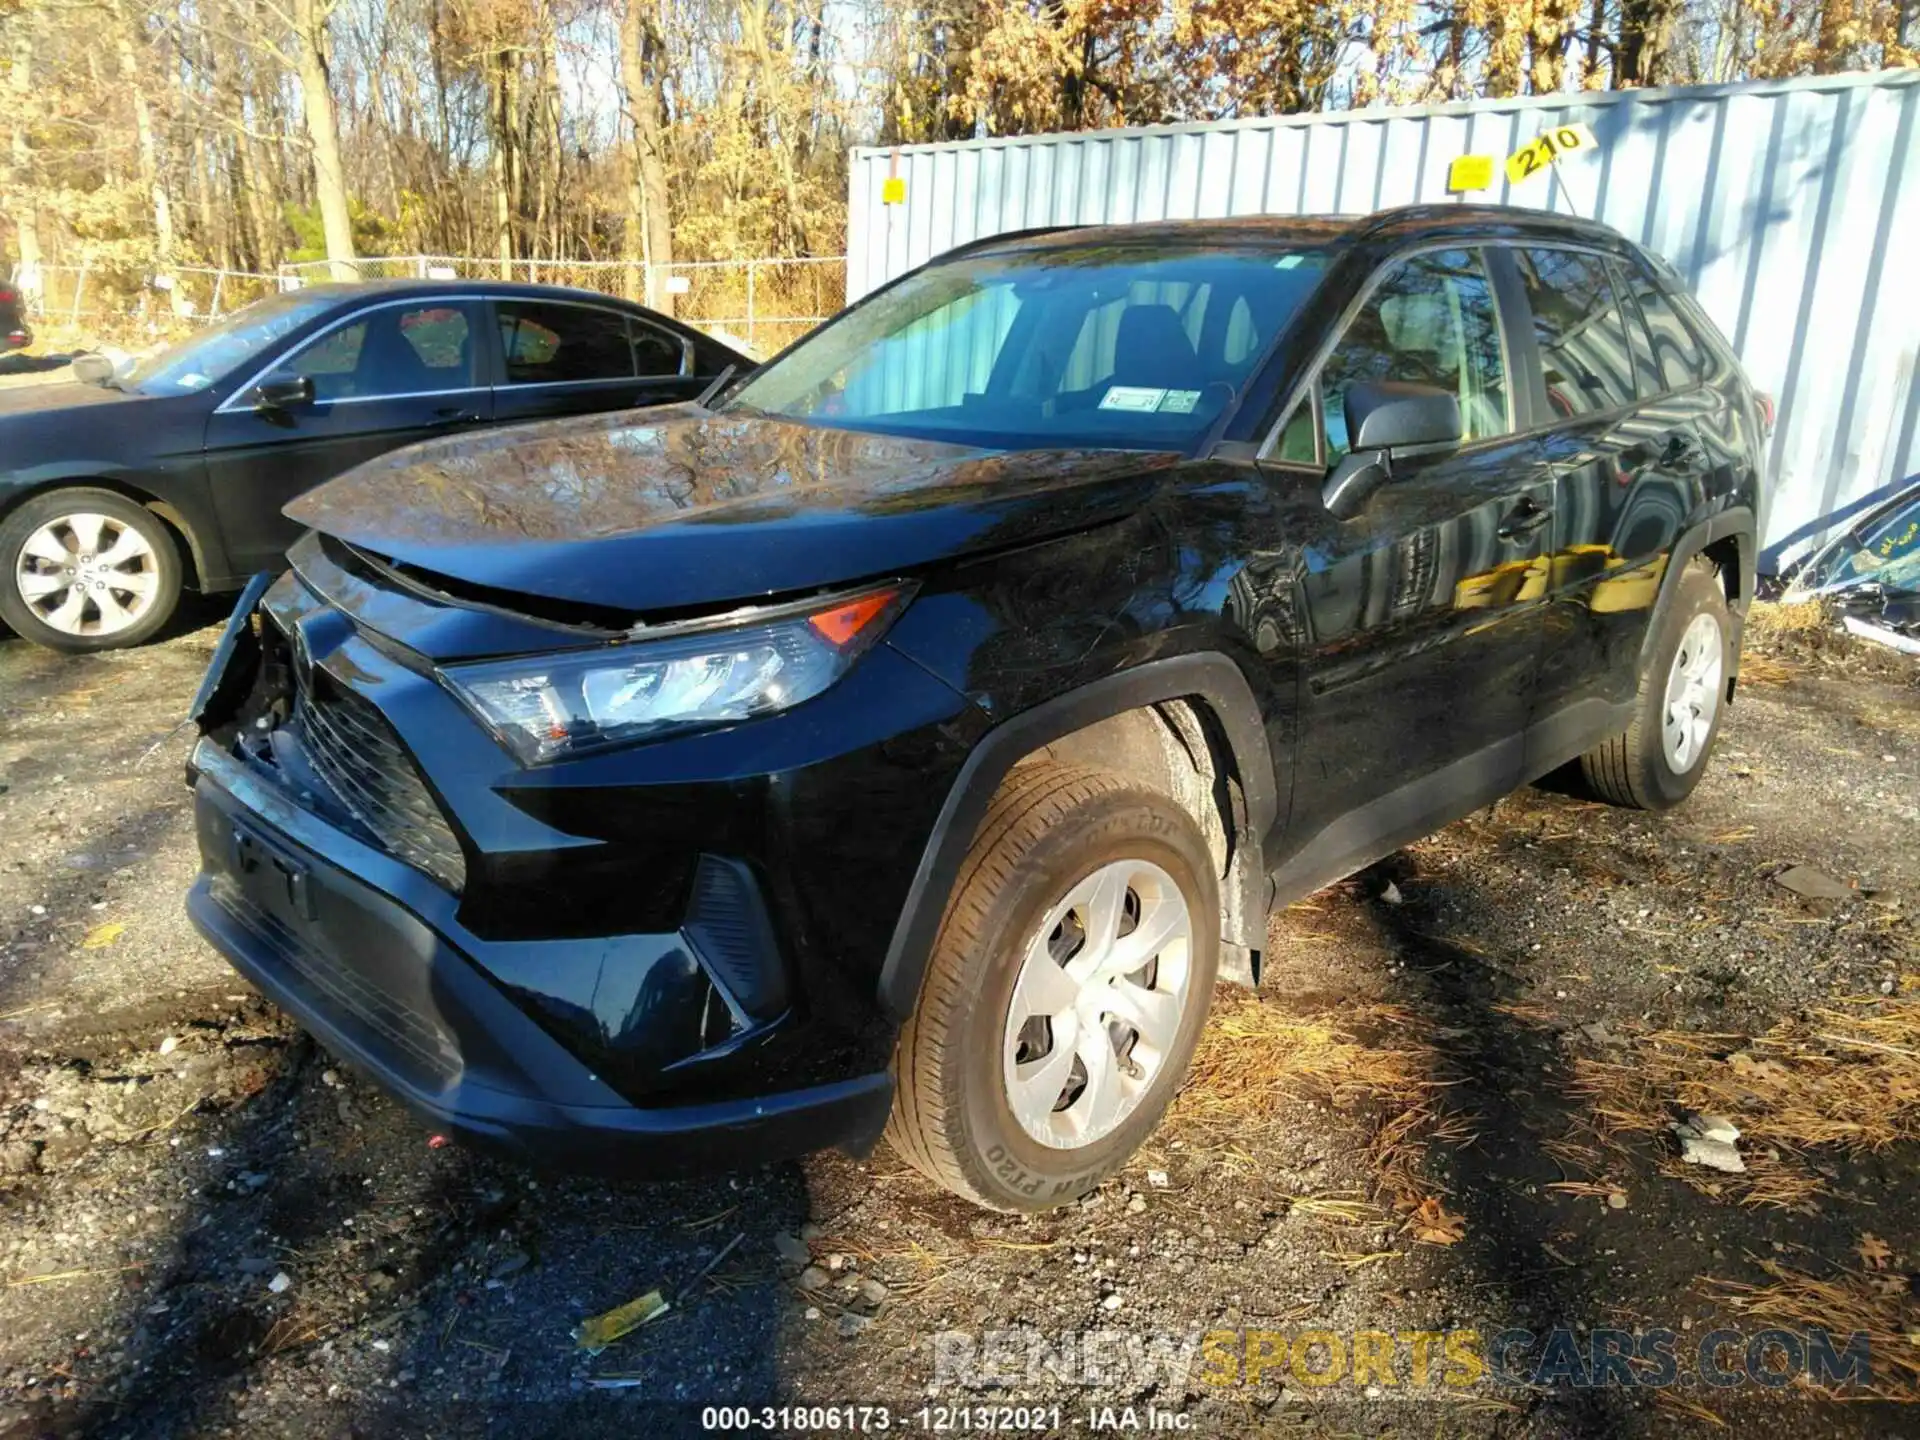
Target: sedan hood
(60, 395)
(680, 508)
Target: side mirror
(284, 394)
(93, 369)
(1383, 417)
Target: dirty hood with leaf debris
(680, 507)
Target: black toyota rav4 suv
(906, 740)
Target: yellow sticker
(1470, 172)
(893, 190)
(1531, 160)
(602, 1330)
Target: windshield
(1123, 346)
(212, 354)
(1885, 551)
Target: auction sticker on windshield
(1142, 399)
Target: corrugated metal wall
(1792, 208)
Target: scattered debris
(1812, 884)
(792, 1250)
(598, 1333)
(101, 936)
(281, 1283)
(1874, 1251)
(1708, 1140)
(1434, 1224)
(1158, 1179)
(811, 1278)
(1391, 895)
(1881, 635)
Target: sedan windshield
(1120, 346)
(212, 354)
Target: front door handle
(1525, 518)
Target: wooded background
(241, 134)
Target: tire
(1640, 769)
(120, 603)
(1053, 830)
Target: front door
(382, 377)
(566, 357)
(1422, 614)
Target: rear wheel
(1655, 763)
(86, 569)
(1065, 994)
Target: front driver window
(1433, 321)
(395, 351)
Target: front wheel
(1661, 756)
(86, 569)
(1066, 991)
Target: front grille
(355, 752)
(420, 1046)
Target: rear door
(1421, 615)
(566, 357)
(1621, 411)
(383, 376)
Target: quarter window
(396, 350)
(1579, 330)
(1432, 321)
(548, 344)
(1666, 352)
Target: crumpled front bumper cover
(303, 910)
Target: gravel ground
(209, 1229)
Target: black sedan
(118, 490)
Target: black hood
(679, 508)
(42, 399)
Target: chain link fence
(758, 306)
(131, 305)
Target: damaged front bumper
(616, 965)
(281, 895)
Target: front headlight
(735, 668)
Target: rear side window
(549, 344)
(655, 352)
(1433, 321)
(1666, 351)
(1579, 328)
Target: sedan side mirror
(1384, 417)
(284, 394)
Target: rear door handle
(454, 415)
(1525, 518)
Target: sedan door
(570, 357)
(1422, 614)
(382, 376)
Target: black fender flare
(1738, 522)
(1208, 677)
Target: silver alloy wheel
(1098, 1003)
(88, 574)
(1693, 694)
